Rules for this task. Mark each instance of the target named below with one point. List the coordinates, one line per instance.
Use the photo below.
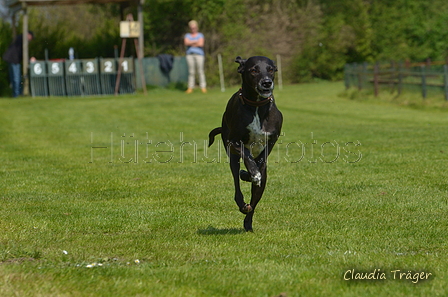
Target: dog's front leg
(256, 193)
(239, 198)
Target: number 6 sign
(38, 69)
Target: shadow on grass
(210, 230)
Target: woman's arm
(196, 43)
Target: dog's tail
(212, 134)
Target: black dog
(250, 127)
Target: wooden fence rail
(396, 76)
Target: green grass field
(115, 196)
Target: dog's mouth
(265, 88)
(265, 92)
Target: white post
(221, 73)
(279, 77)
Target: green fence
(154, 75)
(99, 76)
(80, 77)
(422, 77)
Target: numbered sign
(108, 66)
(90, 66)
(38, 69)
(73, 67)
(127, 65)
(55, 68)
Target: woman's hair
(193, 23)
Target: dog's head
(258, 74)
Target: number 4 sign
(72, 67)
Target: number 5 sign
(55, 69)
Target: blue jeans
(15, 78)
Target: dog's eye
(254, 70)
(270, 70)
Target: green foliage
(90, 31)
(166, 22)
(414, 30)
(314, 38)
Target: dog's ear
(241, 62)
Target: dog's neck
(259, 102)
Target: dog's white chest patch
(257, 136)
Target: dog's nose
(267, 83)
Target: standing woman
(194, 42)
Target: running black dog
(250, 127)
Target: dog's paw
(256, 179)
(246, 209)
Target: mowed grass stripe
(353, 184)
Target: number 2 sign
(108, 66)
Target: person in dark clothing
(13, 56)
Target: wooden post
(346, 76)
(25, 49)
(445, 70)
(423, 81)
(221, 73)
(365, 74)
(140, 20)
(359, 71)
(280, 76)
(376, 71)
(393, 76)
(400, 78)
(120, 62)
(138, 50)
